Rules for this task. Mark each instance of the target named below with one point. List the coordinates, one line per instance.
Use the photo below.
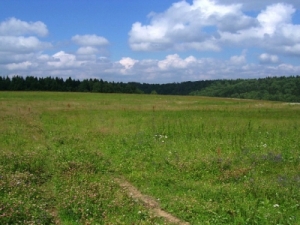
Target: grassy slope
(207, 160)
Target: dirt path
(149, 202)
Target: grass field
(204, 160)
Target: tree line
(270, 88)
(30, 83)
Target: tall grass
(205, 160)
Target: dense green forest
(18, 83)
(270, 88)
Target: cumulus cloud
(128, 62)
(65, 60)
(203, 25)
(90, 40)
(88, 50)
(21, 66)
(23, 52)
(184, 26)
(275, 16)
(207, 25)
(267, 58)
(16, 27)
(90, 46)
(174, 61)
(179, 27)
(175, 68)
(19, 44)
(258, 4)
(239, 59)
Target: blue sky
(150, 41)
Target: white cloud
(275, 16)
(22, 52)
(293, 50)
(90, 40)
(21, 44)
(274, 32)
(173, 68)
(127, 65)
(204, 25)
(207, 25)
(207, 45)
(258, 4)
(128, 62)
(64, 60)
(16, 27)
(7, 58)
(239, 59)
(87, 50)
(20, 66)
(236, 22)
(174, 61)
(184, 26)
(267, 58)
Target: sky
(157, 41)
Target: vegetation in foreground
(205, 160)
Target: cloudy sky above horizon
(150, 41)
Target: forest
(271, 88)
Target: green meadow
(204, 160)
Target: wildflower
(161, 137)
(275, 205)
(139, 212)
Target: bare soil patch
(149, 202)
